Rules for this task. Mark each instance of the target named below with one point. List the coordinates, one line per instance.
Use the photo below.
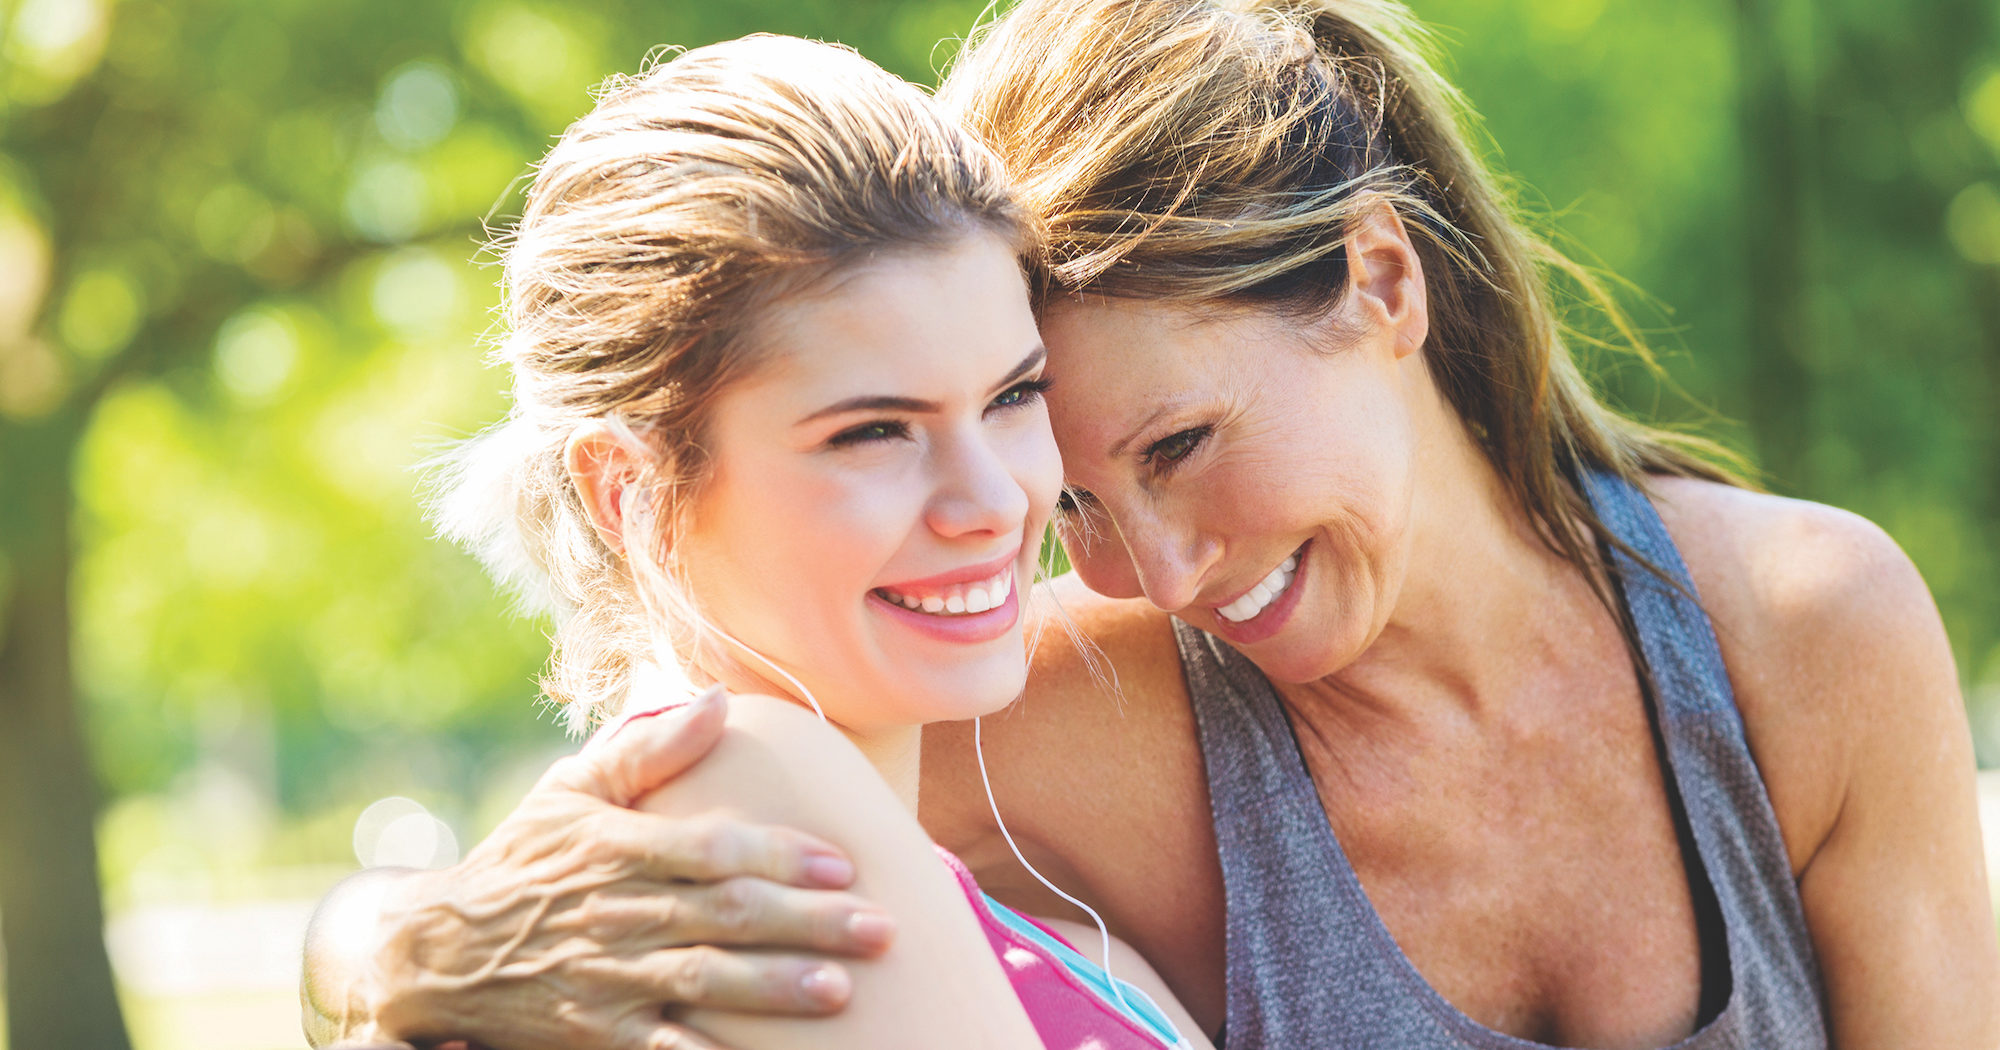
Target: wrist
(396, 998)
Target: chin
(1319, 652)
(961, 696)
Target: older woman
(1437, 705)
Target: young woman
(777, 427)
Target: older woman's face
(1247, 472)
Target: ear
(606, 471)
(1388, 279)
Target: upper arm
(938, 984)
(1851, 702)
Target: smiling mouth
(1267, 591)
(958, 599)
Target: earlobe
(1388, 278)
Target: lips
(954, 599)
(1265, 609)
(1261, 596)
(976, 603)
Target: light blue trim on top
(1138, 1007)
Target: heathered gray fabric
(1311, 965)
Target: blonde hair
(1221, 150)
(695, 196)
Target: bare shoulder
(1091, 648)
(1829, 634)
(1784, 565)
(779, 763)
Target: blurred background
(241, 297)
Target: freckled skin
(1466, 707)
(1312, 444)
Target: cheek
(1099, 557)
(798, 541)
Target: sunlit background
(241, 298)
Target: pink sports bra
(1069, 998)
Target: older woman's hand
(580, 922)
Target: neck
(894, 750)
(1483, 600)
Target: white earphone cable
(1103, 931)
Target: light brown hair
(693, 198)
(1219, 151)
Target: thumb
(633, 755)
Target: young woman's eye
(1025, 392)
(880, 430)
(1173, 448)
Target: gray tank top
(1310, 963)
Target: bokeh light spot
(1982, 107)
(101, 313)
(418, 107)
(1973, 223)
(388, 201)
(415, 292)
(400, 832)
(255, 354)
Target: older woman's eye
(1173, 448)
(1074, 499)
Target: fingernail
(684, 708)
(826, 985)
(829, 871)
(871, 928)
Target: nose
(1134, 552)
(975, 491)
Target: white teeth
(958, 599)
(1262, 594)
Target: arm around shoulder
(938, 984)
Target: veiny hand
(580, 923)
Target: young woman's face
(879, 489)
(1247, 472)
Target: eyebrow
(891, 403)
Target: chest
(1530, 871)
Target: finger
(742, 913)
(638, 754)
(711, 978)
(645, 1030)
(713, 847)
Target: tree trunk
(59, 987)
(1774, 243)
